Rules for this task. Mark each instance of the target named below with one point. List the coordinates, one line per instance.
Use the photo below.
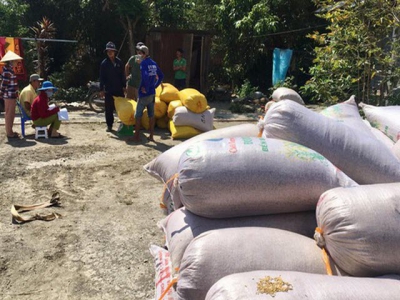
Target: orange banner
(15, 45)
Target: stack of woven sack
(318, 194)
(185, 113)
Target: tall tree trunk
(130, 36)
(130, 26)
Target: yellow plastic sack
(171, 107)
(169, 93)
(159, 90)
(160, 108)
(193, 100)
(182, 132)
(162, 122)
(126, 109)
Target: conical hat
(10, 56)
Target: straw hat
(10, 56)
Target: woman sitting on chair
(42, 114)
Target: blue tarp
(281, 62)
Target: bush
(64, 93)
(246, 89)
(71, 94)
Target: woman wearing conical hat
(9, 91)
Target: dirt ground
(99, 249)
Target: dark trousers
(109, 106)
(180, 84)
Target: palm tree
(43, 30)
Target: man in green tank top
(180, 70)
(132, 72)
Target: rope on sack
(319, 238)
(17, 209)
(260, 126)
(199, 106)
(162, 205)
(173, 281)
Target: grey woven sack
(218, 253)
(289, 285)
(182, 226)
(359, 227)
(237, 177)
(165, 165)
(360, 156)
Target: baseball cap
(138, 45)
(144, 49)
(110, 46)
(35, 77)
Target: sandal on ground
(13, 136)
(150, 139)
(59, 136)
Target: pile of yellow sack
(185, 113)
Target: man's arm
(127, 69)
(24, 99)
(123, 78)
(102, 76)
(183, 68)
(160, 77)
(27, 106)
(175, 66)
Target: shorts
(145, 102)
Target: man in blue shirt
(151, 79)
(112, 81)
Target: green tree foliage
(171, 13)
(89, 23)
(11, 14)
(245, 32)
(242, 26)
(249, 30)
(358, 54)
(201, 15)
(131, 14)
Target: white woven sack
(283, 93)
(380, 136)
(302, 286)
(236, 177)
(360, 156)
(182, 226)
(359, 227)
(165, 165)
(221, 252)
(347, 112)
(202, 121)
(163, 273)
(385, 118)
(396, 149)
